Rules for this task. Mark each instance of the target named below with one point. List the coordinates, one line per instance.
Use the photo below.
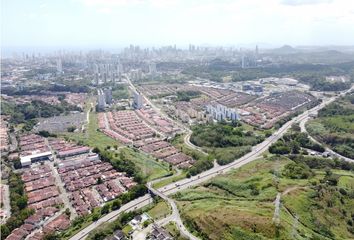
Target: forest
(311, 74)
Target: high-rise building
(138, 100)
(152, 68)
(101, 100)
(221, 113)
(59, 66)
(108, 95)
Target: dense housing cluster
(4, 140)
(74, 179)
(89, 181)
(53, 100)
(143, 128)
(33, 149)
(41, 188)
(266, 111)
(262, 111)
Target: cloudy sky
(116, 23)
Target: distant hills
(286, 49)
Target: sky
(118, 23)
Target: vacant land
(334, 126)
(92, 137)
(225, 141)
(61, 123)
(160, 210)
(241, 204)
(149, 167)
(120, 92)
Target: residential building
(220, 113)
(108, 95)
(158, 233)
(101, 99)
(138, 100)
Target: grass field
(92, 137)
(240, 205)
(160, 210)
(150, 168)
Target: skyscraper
(59, 66)
(101, 101)
(108, 95)
(152, 68)
(138, 100)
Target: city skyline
(117, 23)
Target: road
(174, 217)
(6, 203)
(333, 153)
(85, 126)
(59, 183)
(154, 107)
(191, 145)
(14, 143)
(204, 176)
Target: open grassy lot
(92, 137)
(226, 142)
(160, 210)
(150, 168)
(241, 204)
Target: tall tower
(59, 66)
(138, 100)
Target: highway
(174, 217)
(205, 176)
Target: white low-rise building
(37, 157)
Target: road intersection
(205, 176)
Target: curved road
(303, 129)
(174, 217)
(191, 145)
(204, 176)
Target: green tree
(95, 216)
(71, 129)
(116, 204)
(21, 202)
(105, 209)
(99, 180)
